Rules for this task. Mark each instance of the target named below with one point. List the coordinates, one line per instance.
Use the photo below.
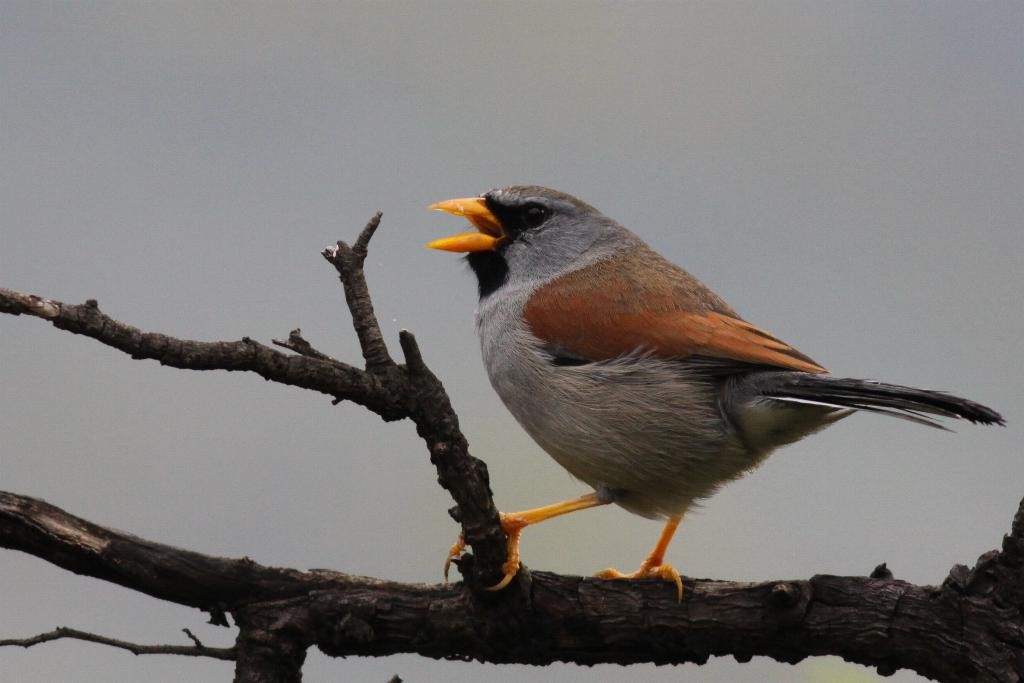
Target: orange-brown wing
(613, 308)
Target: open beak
(476, 212)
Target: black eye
(534, 215)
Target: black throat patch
(490, 268)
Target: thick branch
(188, 578)
(269, 649)
(969, 629)
(197, 650)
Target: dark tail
(889, 399)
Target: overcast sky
(847, 175)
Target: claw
(505, 580)
(513, 526)
(453, 554)
(664, 572)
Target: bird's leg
(654, 567)
(514, 522)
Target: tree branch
(968, 629)
(197, 650)
(392, 391)
(212, 584)
(349, 263)
(333, 378)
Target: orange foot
(512, 523)
(648, 570)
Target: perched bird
(633, 375)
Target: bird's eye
(534, 215)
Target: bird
(632, 374)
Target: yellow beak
(475, 210)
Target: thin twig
(297, 343)
(193, 637)
(197, 650)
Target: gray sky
(847, 175)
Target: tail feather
(909, 415)
(889, 399)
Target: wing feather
(671, 315)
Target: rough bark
(968, 629)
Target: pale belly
(643, 429)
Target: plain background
(847, 175)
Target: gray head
(544, 233)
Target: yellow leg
(513, 524)
(654, 566)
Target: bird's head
(529, 233)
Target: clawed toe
(453, 554)
(506, 579)
(663, 572)
(513, 527)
